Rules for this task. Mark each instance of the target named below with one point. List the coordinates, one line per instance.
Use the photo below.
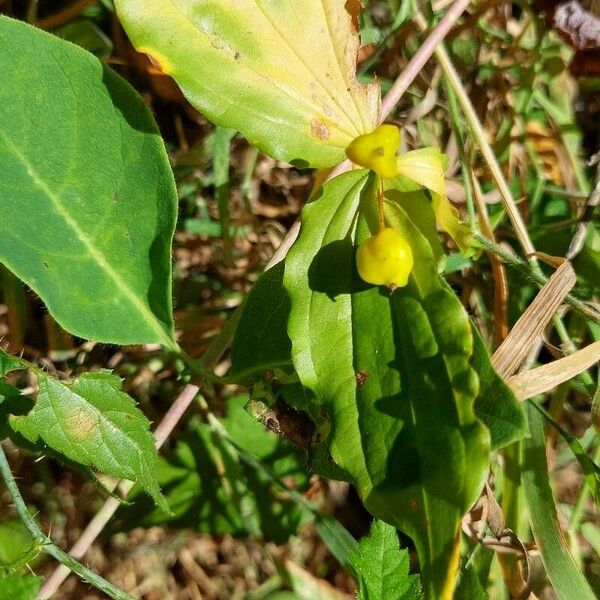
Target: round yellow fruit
(385, 259)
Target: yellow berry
(385, 259)
(376, 150)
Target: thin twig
(498, 271)
(46, 543)
(536, 277)
(65, 15)
(417, 62)
(488, 154)
(578, 240)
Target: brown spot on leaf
(319, 129)
(361, 378)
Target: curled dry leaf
(533, 321)
(540, 380)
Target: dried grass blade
(544, 378)
(533, 321)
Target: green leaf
(239, 499)
(496, 405)
(590, 469)
(390, 373)
(88, 35)
(337, 538)
(87, 196)
(426, 167)
(290, 84)
(261, 340)
(16, 544)
(19, 586)
(93, 423)
(8, 363)
(568, 581)
(382, 567)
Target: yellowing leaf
(426, 167)
(449, 219)
(283, 72)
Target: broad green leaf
(19, 586)
(382, 567)
(390, 373)
(93, 423)
(87, 197)
(282, 73)
(496, 406)
(568, 581)
(239, 500)
(261, 340)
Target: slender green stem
(46, 543)
(535, 275)
(584, 494)
(460, 143)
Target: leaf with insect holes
(291, 85)
(93, 423)
(382, 567)
(87, 196)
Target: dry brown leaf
(544, 378)
(533, 321)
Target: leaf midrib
(98, 257)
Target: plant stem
(417, 62)
(456, 128)
(535, 275)
(479, 134)
(46, 543)
(584, 494)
